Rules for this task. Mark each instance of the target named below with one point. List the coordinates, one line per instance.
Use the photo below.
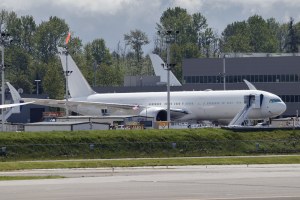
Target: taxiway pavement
(259, 182)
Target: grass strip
(13, 178)
(21, 165)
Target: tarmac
(263, 182)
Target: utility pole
(170, 35)
(5, 39)
(224, 71)
(67, 74)
(2, 85)
(168, 84)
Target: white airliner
(184, 105)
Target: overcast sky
(111, 19)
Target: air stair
(251, 102)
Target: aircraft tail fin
(160, 71)
(15, 96)
(78, 85)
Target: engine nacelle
(159, 114)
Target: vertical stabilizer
(78, 86)
(15, 96)
(160, 71)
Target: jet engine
(159, 114)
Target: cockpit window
(274, 100)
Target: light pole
(95, 67)
(2, 85)
(170, 36)
(67, 73)
(4, 40)
(37, 86)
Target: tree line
(32, 55)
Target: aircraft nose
(279, 108)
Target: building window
(201, 79)
(282, 78)
(277, 78)
(287, 78)
(188, 79)
(209, 79)
(244, 77)
(193, 79)
(287, 98)
(292, 78)
(214, 79)
(239, 79)
(292, 98)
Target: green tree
(194, 39)
(292, 40)
(48, 36)
(53, 80)
(208, 43)
(262, 39)
(191, 36)
(28, 28)
(137, 39)
(99, 63)
(279, 31)
(253, 35)
(177, 19)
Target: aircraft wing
(175, 113)
(178, 113)
(13, 105)
(62, 104)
